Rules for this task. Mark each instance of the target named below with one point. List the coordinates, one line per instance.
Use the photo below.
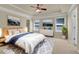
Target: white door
(74, 25)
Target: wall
(53, 18)
(3, 19)
(78, 29)
(69, 28)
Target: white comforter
(28, 42)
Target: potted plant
(65, 32)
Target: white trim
(14, 12)
(78, 51)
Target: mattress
(44, 47)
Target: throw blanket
(15, 38)
(27, 41)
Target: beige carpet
(62, 46)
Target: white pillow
(10, 32)
(14, 31)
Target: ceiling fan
(39, 8)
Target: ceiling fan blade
(43, 8)
(38, 7)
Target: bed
(28, 42)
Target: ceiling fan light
(38, 10)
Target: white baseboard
(78, 51)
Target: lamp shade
(0, 32)
(38, 10)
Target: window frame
(56, 30)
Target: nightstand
(2, 41)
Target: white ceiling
(26, 9)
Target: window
(60, 21)
(47, 24)
(36, 25)
(59, 24)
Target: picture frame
(13, 21)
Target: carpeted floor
(62, 46)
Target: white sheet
(28, 42)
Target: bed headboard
(12, 31)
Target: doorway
(28, 25)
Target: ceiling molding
(50, 16)
(15, 12)
(19, 8)
(34, 14)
